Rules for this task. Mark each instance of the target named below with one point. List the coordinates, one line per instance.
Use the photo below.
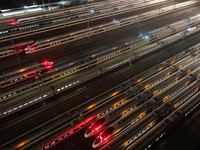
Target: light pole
(43, 3)
(49, 2)
(63, 4)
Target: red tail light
(48, 67)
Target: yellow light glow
(189, 53)
(115, 93)
(188, 70)
(187, 82)
(176, 78)
(114, 47)
(125, 142)
(139, 80)
(91, 106)
(117, 130)
(179, 66)
(172, 62)
(150, 123)
(165, 97)
(118, 102)
(22, 70)
(124, 111)
(175, 104)
(21, 144)
(141, 114)
(155, 92)
(93, 56)
(161, 68)
(146, 86)
(168, 73)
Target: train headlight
(146, 37)
(188, 29)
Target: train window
(35, 100)
(15, 108)
(139, 134)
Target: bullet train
(128, 120)
(35, 70)
(15, 48)
(157, 132)
(148, 37)
(20, 24)
(169, 107)
(102, 110)
(74, 9)
(58, 88)
(83, 113)
(41, 45)
(31, 46)
(130, 104)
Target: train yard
(123, 84)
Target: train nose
(97, 143)
(88, 133)
(94, 128)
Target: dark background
(6, 4)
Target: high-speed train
(64, 16)
(15, 48)
(31, 46)
(148, 37)
(130, 104)
(35, 70)
(99, 56)
(73, 9)
(73, 82)
(55, 89)
(160, 130)
(133, 137)
(134, 116)
(84, 113)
